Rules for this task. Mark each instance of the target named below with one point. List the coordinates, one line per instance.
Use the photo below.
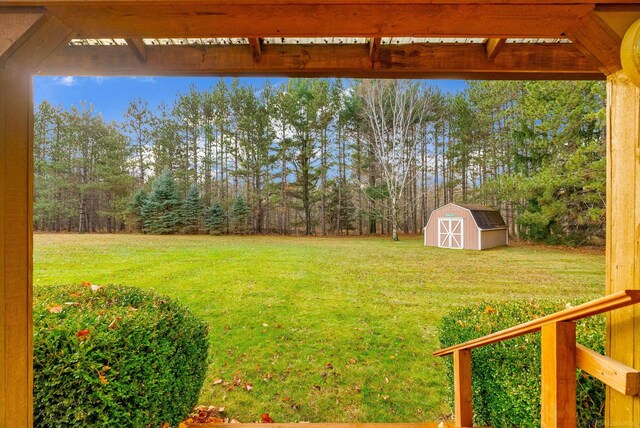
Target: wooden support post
(16, 216)
(16, 130)
(623, 237)
(559, 375)
(462, 388)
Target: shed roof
(486, 218)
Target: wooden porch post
(15, 249)
(623, 236)
(18, 61)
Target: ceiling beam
(138, 48)
(493, 47)
(256, 48)
(516, 61)
(596, 40)
(213, 19)
(374, 48)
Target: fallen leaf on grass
(217, 381)
(82, 334)
(248, 387)
(103, 379)
(114, 323)
(54, 309)
(329, 366)
(352, 361)
(489, 310)
(266, 419)
(95, 287)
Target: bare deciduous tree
(396, 111)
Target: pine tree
(134, 210)
(161, 211)
(214, 219)
(239, 215)
(192, 211)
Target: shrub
(506, 375)
(114, 356)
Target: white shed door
(450, 233)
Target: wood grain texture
(15, 251)
(623, 236)
(49, 35)
(463, 393)
(558, 398)
(135, 20)
(528, 61)
(493, 47)
(16, 214)
(138, 48)
(15, 24)
(622, 378)
(594, 38)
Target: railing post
(462, 388)
(559, 375)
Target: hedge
(506, 376)
(114, 356)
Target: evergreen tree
(192, 210)
(161, 211)
(134, 209)
(239, 215)
(215, 219)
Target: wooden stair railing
(560, 358)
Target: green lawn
(324, 329)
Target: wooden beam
(493, 47)
(596, 40)
(517, 61)
(213, 19)
(256, 48)
(558, 397)
(49, 34)
(623, 237)
(462, 389)
(138, 48)
(15, 25)
(374, 48)
(614, 374)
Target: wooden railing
(560, 358)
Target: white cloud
(144, 79)
(65, 81)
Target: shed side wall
(493, 238)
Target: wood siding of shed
(493, 238)
(470, 236)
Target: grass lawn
(324, 329)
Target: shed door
(450, 233)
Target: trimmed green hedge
(114, 356)
(506, 376)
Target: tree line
(328, 156)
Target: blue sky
(111, 95)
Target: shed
(466, 226)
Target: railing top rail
(585, 310)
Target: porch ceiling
(494, 39)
